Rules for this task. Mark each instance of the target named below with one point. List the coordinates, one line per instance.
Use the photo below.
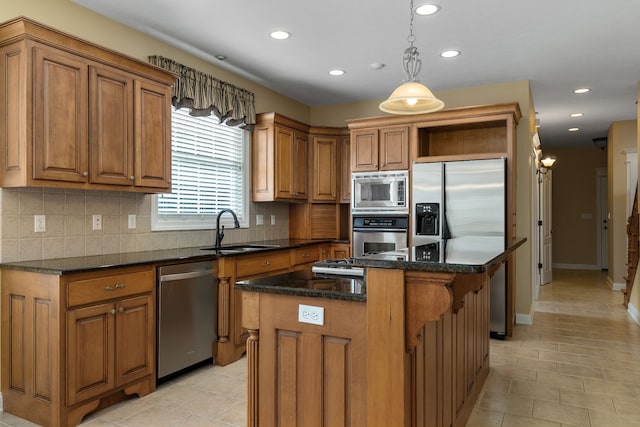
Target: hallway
(577, 365)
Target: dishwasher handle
(182, 276)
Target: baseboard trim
(634, 313)
(525, 319)
(615, 286)
(577, 266)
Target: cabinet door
(300, 166)
(283, 156)
(111, 126)
(152, 135)
(60, 115)
(135, 339)
(90, 352)
(324, 169)
(344, 162)
(394, 148)
(364, 150)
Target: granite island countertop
(59, 266)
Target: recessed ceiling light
(280, 35)
(427, 9)
(450, 53)
(336, 72)
(573, 129)
(577, 115)
(582, 90)
(377, 66)
(221, 57)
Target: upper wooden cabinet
(385, 148)
(279, 155)
(344, 167)
(328, 161)
(76, 115)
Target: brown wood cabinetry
(79, 116)
(340, 250)
(77, 342)
(232, 337)
(324, 181)
(279, 156)
(385, 148)
(344, 162)
(314, 221)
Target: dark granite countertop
(471, 254)
(305, 283)
(60, 266)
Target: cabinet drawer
(306, 254)
(108, 286)
(248, 265)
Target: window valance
(204, 95)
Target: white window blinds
(208, 173)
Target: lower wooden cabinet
(76, 343)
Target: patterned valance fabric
(205, 95)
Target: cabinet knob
(120, 286)
(306, 256)
(108, 288)
(112, 311)
(121, 310)
(85, 173)
(132, 178)
(267, 263)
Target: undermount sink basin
(241, 248)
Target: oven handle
(380, 230)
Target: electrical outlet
(259, 219)
(273, 220)
(132, 222)
(39, 224)
(311, 314)
(97, 222)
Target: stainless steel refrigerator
(464, 199)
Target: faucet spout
(220, 230)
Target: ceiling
(558, 45)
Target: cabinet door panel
(325, 169)
(345, 170)
(90, 352)
(284, 146)
(394, 148)
(364, 150)
(111, 126)
(60, 122)
(135, 338)
(153, 135)
(300, 166)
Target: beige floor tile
(507, 403)
(485, 418)
(607, 419)
(626, 405)
(552, 411)
(157, 416)
(537, 365)
(560, 380)
(612, 388)
(598, 401)
(535, 390)
(519, 421)
(581, 370)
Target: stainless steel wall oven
(375, 234)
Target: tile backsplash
(69, 232)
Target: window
(209, 172)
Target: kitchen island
(406, 346)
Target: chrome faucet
(220, 232)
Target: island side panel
(312, 375)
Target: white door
(546, 229)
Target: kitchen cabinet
(384, 148)
(75, 342)
(232, 337)
(340, 250)
(314, 221)
(279, 155)
(76, 115)
(324, 182)
(344, 168)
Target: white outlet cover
(259, 219)
(131, 222)
(311, 314)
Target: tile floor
(577, 365)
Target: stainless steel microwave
(380, 192)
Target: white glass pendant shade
(411, 98)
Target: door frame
(601, 192)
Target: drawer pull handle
(267, 263)
(121, 310)
(112, 311)
(306, 256)
(108, 288)
(119, 286)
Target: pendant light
(411, 97)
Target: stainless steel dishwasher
(187, 315)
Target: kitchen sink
(241, 248)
